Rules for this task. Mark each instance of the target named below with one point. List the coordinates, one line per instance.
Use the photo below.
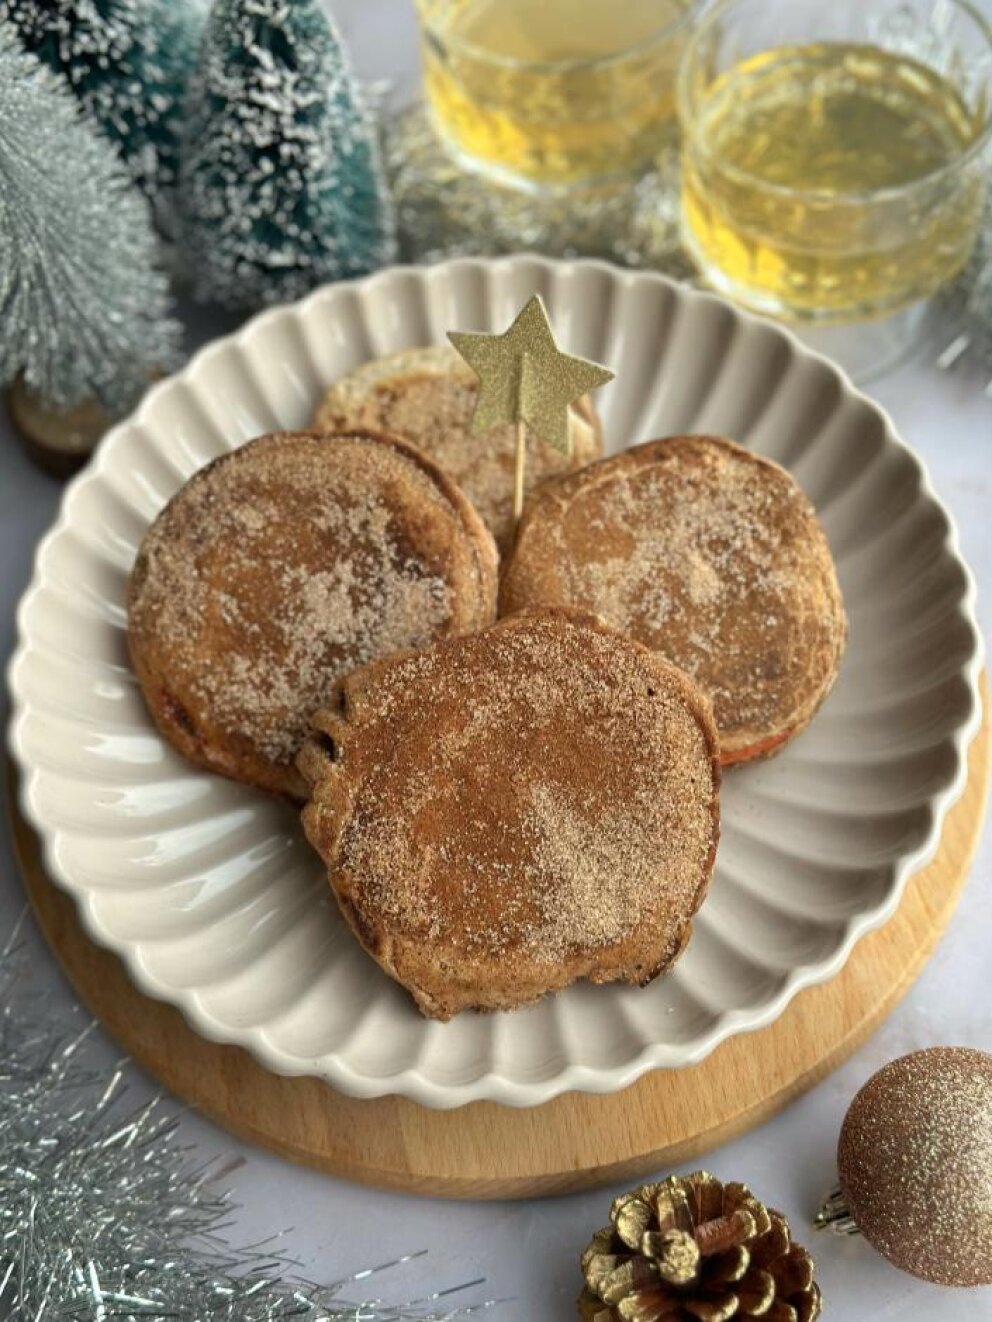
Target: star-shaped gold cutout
(525, 377)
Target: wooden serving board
(574, 1142)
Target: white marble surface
(528, 1250)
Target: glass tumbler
(555, 93)
(834, 156)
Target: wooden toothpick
(521, 466)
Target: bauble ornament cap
(915, 1166)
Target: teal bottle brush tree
(281, 185)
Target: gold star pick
(524, 378)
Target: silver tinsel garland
(104, 1213)
(445, 208)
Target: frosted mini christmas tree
(83, 307)
(128, 62)
(281, 185)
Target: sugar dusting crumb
(713, 561)
(683, 574)
(271, 578)
(593, 869)
(536, 788)
(428, 397)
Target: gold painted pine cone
(691, 1249)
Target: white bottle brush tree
(83, 306)
(128, 63)
(281, 185)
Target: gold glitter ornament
(692, 1249)
(915, 1166)
(524, 378)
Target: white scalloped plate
(209, 892)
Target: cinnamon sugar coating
(512, 810)
(427, 396)
(280, 567)
(709, 555)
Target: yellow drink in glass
(829, 180)
(557, 92)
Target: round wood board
(575, 1142)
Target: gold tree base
(58, 441)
